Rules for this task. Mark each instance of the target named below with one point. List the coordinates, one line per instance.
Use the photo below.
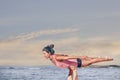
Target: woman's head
(48, 50)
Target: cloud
(32, 35)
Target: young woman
(70, 62)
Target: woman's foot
(108, 59)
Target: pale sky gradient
(76, 27)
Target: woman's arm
(59, 57)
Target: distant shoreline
(103, 66)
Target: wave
(104, 66)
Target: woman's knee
(70, 71)
(73, 68)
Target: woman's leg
(90, 58)
(89, 61)
(70, 75)
(73, 73)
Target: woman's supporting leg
(70, 75)
(87, 62)
(73, 73)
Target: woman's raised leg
(87, 62)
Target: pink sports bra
(65, 63)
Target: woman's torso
(64, 63)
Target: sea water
(54, 73)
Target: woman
(70, 62)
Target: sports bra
(65, 63)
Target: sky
(76, 27)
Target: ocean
(55, 73)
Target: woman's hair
(49, 49)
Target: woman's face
(46, 54)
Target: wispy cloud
(32, 35)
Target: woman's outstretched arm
(66, 57)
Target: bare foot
(109, 59)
